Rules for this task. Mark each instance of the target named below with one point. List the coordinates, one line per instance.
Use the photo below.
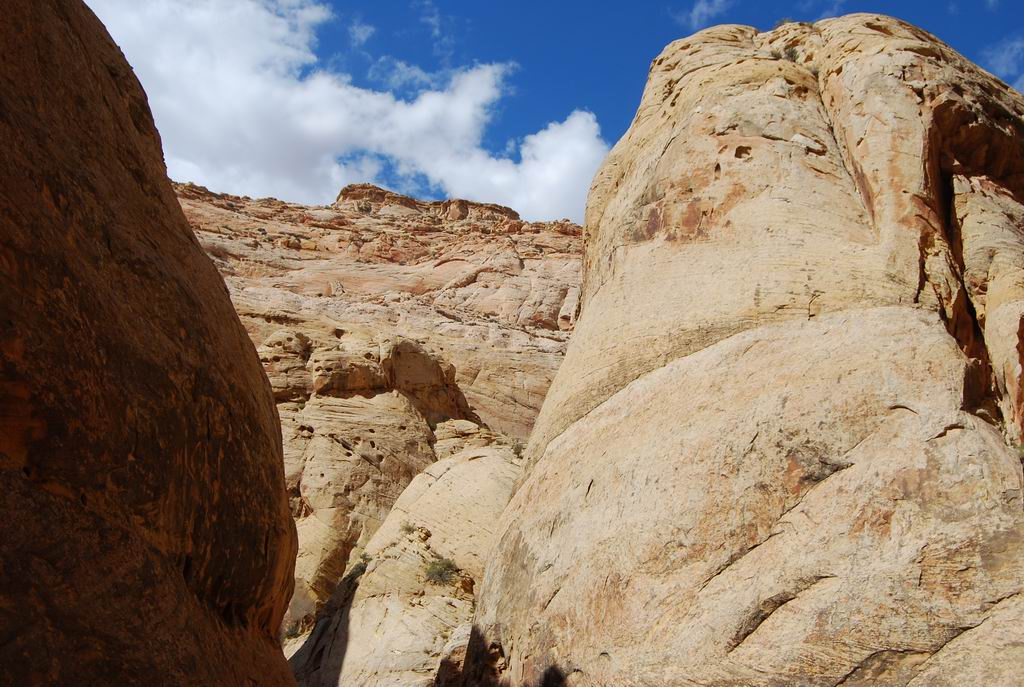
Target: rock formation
(780, 448)
(491, 294)
(146, 534)
(378, 319)
(783, 448)
(411, 607)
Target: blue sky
(595, 55)
(505, 102)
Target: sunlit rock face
(378, 320)
(146, 532)
(780, 449)
(488, 293)
(404, 617)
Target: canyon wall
(781, 447)
(146, 536)
(404, 617)
(390, 328)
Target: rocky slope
(146, 536)
(378, 319)
(780, 449)
(396, 623)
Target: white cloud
(397, 75)
(832, 8)
(359, 33)
(702, 12)
(440, 26)
(430, 16)
(1006, 59)
(244, 106)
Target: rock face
(377, 319)
(399, 623)
(492, 295)
(353, 447)
(779, 451)
(146, 527)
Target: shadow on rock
(319, 661)
(480, 668)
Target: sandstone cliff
(487, 292)
(146, 535)
(409, 612)
(783, 448)
(780, 450)
(377, 319)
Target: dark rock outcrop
(146, 536)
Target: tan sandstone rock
(779, 450)
(394, 333)
(353, 447)
(485, 291)
(146, 536)
(406, 616)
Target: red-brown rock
(146, 534)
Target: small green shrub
(791, 55)
(517, 448)
(776, 55)
(441, 570)
(408, 528)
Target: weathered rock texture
(146, 536)
(378, 318)
(491, 294)
(779, 449)
(394, 624)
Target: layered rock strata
(377, 319)
(489, 293)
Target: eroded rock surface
(780, 449)
(353, 447)
(378, 318)
(146, 536)
(485, 291)
(406, 618)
